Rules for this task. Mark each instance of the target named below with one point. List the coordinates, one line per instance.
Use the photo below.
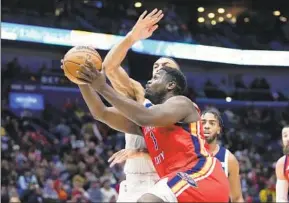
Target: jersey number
(152, 136)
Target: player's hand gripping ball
(77, 56)
(90, 75)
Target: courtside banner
(62, 37)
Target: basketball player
(173, 135)
(282, 169)
(212, 125)
(139, 170)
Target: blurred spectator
(94, 192)
(49, 192)
(27, 181)
(109, 193)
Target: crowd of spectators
(262, 32)
(62, 156)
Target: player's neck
(167, 96)
(160, 98)
(214, 148)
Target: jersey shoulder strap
(147, 103)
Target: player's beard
(211, 139)
(155, 97)
(286, 149)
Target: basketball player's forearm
(129, 108)
(117, 54)
(93, 101)
(238, 199)
(143, 153)
(108, 115)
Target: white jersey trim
(227, 162)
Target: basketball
(77, 56)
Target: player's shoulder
(281, 162)
(181, 101)
(232, 159)
(279, 169)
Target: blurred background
(233, 52)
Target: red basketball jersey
(176, 148)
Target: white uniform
(140, 172)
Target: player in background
(282, 169)
(212, 125)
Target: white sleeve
(281, 190)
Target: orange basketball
(77, 56)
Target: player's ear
(172, 85)
(219, 131)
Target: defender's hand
(146, 25)
(122, 155)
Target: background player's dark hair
(179, 78)
(217, 115)
(165, 57)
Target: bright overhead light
(211, 15)
(228, 99)
(221, 10)
(221, 19)
(276, 13)
(213, 22)
(246, 20)
(229, 15)
(201, 19)
(137, 4)
(201, 9)
(233, 20)
(283, 19)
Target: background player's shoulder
(280, 168)
(281, 161)
(230, 154)
(232, 159)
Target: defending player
(212, 125)
(282, 169)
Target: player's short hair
(165, 57)
(216, 114)
(179, 78)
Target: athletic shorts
(209, 184)
(135, 186)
